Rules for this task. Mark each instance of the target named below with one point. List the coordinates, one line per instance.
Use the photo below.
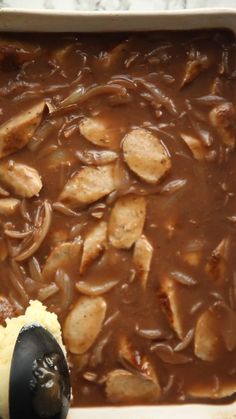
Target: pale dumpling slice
(127, 221)
(145, 155)
(84, 323)
(17, 131)
(88, 185)
(22, 179)
(98, 131)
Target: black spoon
(39, 377)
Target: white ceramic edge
(68, 21)
(59, 20)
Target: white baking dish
(12, 20)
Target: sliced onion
(13, 234)
(159, 49)
(95, 289)
(151, 334)
(18, 286)
(35, 270)
(96, 157)
(97, 354)
(160, 131)
(124, 81)
(23, 210)
(157, 94)
(183, 278)
(46, 151)
(65, 284)
(167, 355)
(39, 235)
(111, 318)
(47, 291)
(17, 85)
(43, 132)
(81, 94)
(65, 210)
(18, 270)
(194, 245)
(209, 100)
(174, 186)
(185, 342)
(90, 376)
(196, 307)
(202, 133)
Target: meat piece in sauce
(222, 118)
(215, 332)
(8, 206)
(142, 259)
(126, 387)
(131, 357)
(171, 305)
(207, 343)
(15, 53)
(89, 185)
(62, 257)
(98, 132)
(23, 180)
(196, 147)
(7, 310)
(216, 265)
(196, 64)
(17, 131)
(126, 221)
(109, 59)
(94, 244)
(213, 389)
(145, 155)
(84, 323)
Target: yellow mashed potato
(35, 313)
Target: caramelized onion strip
(39, 236)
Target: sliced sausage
(23, 180)
(145, 155)
(222, 118)
(98, 132)
(8, 206)
(89, 185)
(125, 387)
(84, 323)
(127, 221)
(61, 257)
(94, 244)
(142, 259)
(17, 132)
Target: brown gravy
(133, 151)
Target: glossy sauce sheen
(169, 85)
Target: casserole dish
(58, 21)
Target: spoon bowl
(39, 376)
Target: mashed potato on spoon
(35, 313)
